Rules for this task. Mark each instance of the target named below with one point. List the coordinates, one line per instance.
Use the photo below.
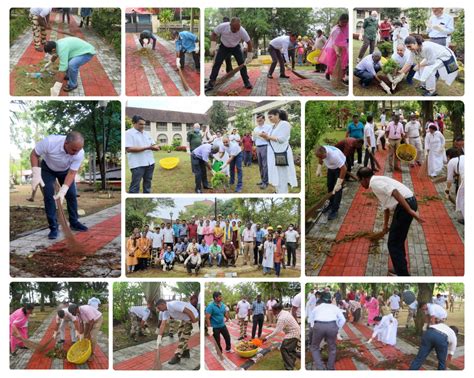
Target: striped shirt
(258, 308)
(286, 323)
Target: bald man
(62, 156)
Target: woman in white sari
(281, 170)
(434, 146)
(386, 330)
(455, 170)
(430, 58)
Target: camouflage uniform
(184, 333)
(135, 322)
(243, 326)
(173, 326)
(39, 31)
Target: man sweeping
(72, 53)
(231, 34)
(186, 43)
(61, 156)
(396, 197)
(278, 50)
(187, 314)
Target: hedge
(107, 23)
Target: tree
(391, 13)
(425, 293)
(458, 36)
(218, 117)
(326, 18)
(455, 112)
(243, 121)
(418, 18)
(139, 211)
(186, 289)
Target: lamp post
(171, 217)
(103, 107)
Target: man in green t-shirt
(371, 28)
(72, 53)
(194, 138)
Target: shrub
(181, 148)
(386, 48)
(107, 23)
(19, 22)
(176, 143)
(390, 67)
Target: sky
(180, 203)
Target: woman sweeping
(334, 53)
(431, 59)
(281, 166)
(19, 327)
(434, 146)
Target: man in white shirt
(187, 314)
(369, 143)
(412, 308)
(396, 197)
(231, 34)
(234, 163)
(262, 145)
(63, 318)
(269, 307)
(62, 156)
(156, 244)
(296, 307)
(335, 161)
(94, 302)
(440, 27)
(138, 319)
(39, 18)
(440, 300)
(441, 338)
(248, 240)
(434, 313)
(394, 302)
(278, 50)
(168, 235)
(412, 132)
(291, 242)
(139, 147)
(326, 319)
(243, 314)
(405, 65)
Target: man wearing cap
(138, 319)
(412, 132)
(396, 197)
(326, 320)
(62, 157)
(187, 314)
(335, 161)
(89, 320)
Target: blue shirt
(259, 235)
(258, 308)
(203, 249)
(176, 229)
(183, 230)
(168, 256)
(203, 151)
(186, 42)
(217, 313)
(356, 131)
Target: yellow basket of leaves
(79, 352)
(406, 152)
(248, 349)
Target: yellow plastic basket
(313, 56)
(247, 353)
(265, 59)
(406, 152)
(79, 352)
(169, 163)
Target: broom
(183, 80)
(423, 172)
(73, 245)
(301, 76)
(157, 362)
(314, 209)
(227, 76)
(337, 77)
(37, 347)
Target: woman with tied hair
(334, 53)
(281, 166)
(430, 59)
(19, 327)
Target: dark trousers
(399, 227)
(49, 177)
(139, 174)
(66, 14)
(247, 158)
(359, 155)
(222, 53)
(291, 253)
(277, 57)
(277, 269)
(366, 77)
(196, 58)
(324, 331)
(356, 315)
(200, 172)
(289, 353)
(236, 164)
(292, 56)
(383, 141)
(335, 201)
(190, 266)
(257, 321)
(228, 63)
(430, 340)
(257, 254)
(369, 151)
(152, 37)
(410, 75)
(217, 332)
(262, 163)
(365, 44)
(349, 163)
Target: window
(161, 126)
(189, 126)
(147, 126)
(177, 127)
(162, 139)
(178, 137)
(360, 13)
(144, 18)
(359, 25)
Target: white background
(181, 104)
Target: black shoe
(68, 88)
(209, 86)
(66, 77)
(53, 234)
(175, 360)
(284, 77)
(170, 335)
(208, 187)
(248, 85)
(270, 76)
(263, 186)
(332, 215)
(199, 191)
(79, 227)
(260, 183)
(186, 354)
(326, 209)
(328, 77)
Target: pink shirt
(395, 131)
(88, 313)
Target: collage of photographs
(280, 218)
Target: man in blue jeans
(72, 53)
(62, 157)
(217, 314)
(234, 162)
(441, 338)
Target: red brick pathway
(146, 360)
(40, 361)
(137, 83)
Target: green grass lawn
(272, 361)
(181, 179)
(153, 273)
(104, 309)
(403, 89)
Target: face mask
(291, 228)
(196, 130)
(373, 18)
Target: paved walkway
(142, 356)
(434, 248)
(101, 76)
(155, 74)
(35, 255)
(314, 85)
(27, 359)
(232, 361)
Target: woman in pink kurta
(372, 306)
(208, 233)
(336, 46)
(19, 326)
